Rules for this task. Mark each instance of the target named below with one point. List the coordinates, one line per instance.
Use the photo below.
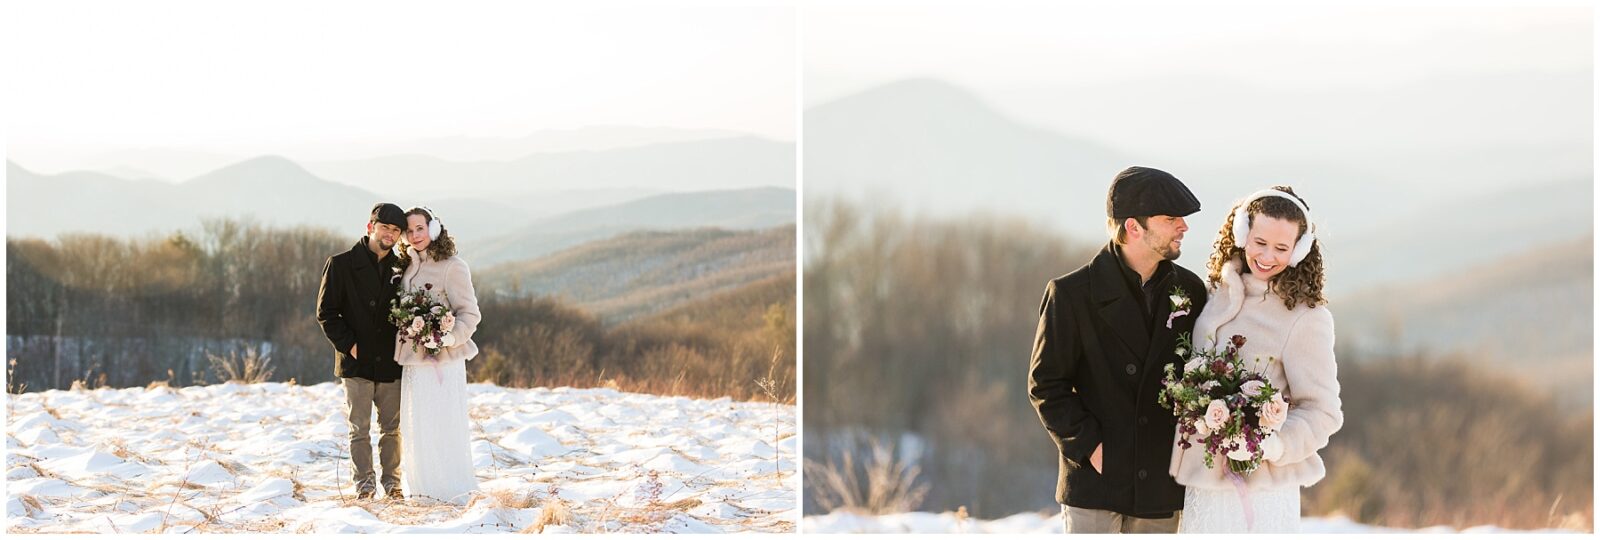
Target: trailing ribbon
(1175, 315)
(1244, 498)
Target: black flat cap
(389, 213)
(1143, 191)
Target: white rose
(1252, 388)
(449, 340)
(1274, 412)
(430, 343)
(435, 310)
(1194, 364)
(1271, 448)
(1216, 414)
(1201, 430)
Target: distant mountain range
(276, 191)
(1529, 313)
(1445, 235)
(708, 164)
(742, 209)
(270, 190)
(636, 274)
(928, 145)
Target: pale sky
(1284, 44)
(1198, 80)
(254, 77)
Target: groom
(353, 310)
(1106, 333)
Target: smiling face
(417, 232)
(1164, 235)
(1268, 246)
(385, 234)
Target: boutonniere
(1180, 304)
(397, 274)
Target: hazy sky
(251, 77)
(1201, 81)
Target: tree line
(129, 311)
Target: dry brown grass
(31, 505)
(505, 498)
(554, 512)
(882, 485)
(250, 369)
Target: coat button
(371, 303)
(1132, 369)
(1144, 420)
(1143, 475)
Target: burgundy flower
(429, 286)
(1238, 341)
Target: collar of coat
(367, 258)
(1132, 278)
(1117, 304)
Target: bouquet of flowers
(1233, 411)
(423, 321)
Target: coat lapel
(1164, 336)
(1116, 306)
(365, 274)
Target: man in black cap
(1106, 333)
(353, 310)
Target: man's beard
(385, 244)
(1166, 250)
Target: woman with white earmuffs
(436, 455)
(1266, 278)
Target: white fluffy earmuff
(1241, 224)
(434, 226)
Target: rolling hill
(709, 164)
(641, 273)
(1530, 314)
(743, 209)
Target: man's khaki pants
(1085, 520)
(360, 395)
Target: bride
(437, 458)
(1268, 290)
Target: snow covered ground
(950, 522)
(274, 457)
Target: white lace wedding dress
(436, 456)
(1275, 510)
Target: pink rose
(416, 325)
(1216, 414)
(1274, 412)
(447, 323)
(1252, 388)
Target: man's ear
(369, 228)
(1132, 226)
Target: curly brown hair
(441, 249)
(1296, 284)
